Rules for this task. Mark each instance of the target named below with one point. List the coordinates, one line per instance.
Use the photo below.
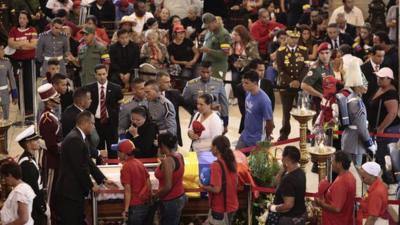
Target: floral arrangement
(263, 164)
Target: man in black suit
(265, 85)
(369, 69)
(82, 101)
(391, 59)
(74, 181)
(335, 38)
(174, 96)
(106, 98)
(345, 27)
(119, 52)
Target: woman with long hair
(170, 176)
(307, 40)
(244, 49)
(24, 38)
(223, 182)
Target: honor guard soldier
(210, 85)
(353, 115)
(50, 130)
(31, 172)
(53, 44)
(292, 68)
(161, 110)
(6, 77)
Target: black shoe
(282, 138)
(314, 168)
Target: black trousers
(108, 134)
(27, 78)
(287, 98)
(70, 212)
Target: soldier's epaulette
(193, 81)
(216, 79)
(44, 33)
(281, 48)
(63, 34)
(5, 59)
(302, 47)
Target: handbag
(215, 218)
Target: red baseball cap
(126, 146)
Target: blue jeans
(170, 211)
(138, 215)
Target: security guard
(292, 68)
(6, 77)
(50, 130)
(31, 172)
(206, 84)
(53, 44)
(91, 54)
(216, 47)
(161, 110)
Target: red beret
(324, 46)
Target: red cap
(324, 46)
(126, 146)
(179, 28)
(123, 3)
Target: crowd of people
(204, 57)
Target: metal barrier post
(94, 208)
(249, 190)
(34, 90)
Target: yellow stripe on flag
(191, 175)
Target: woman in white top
(206, 125)
(17, 208)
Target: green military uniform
(316, 74)
(89, 56)
(217, 57)
(291, 67)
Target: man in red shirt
(137, 186)
(374, 204)
(337, 202)
(263, 31)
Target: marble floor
(234, 121)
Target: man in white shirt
(352, 13)
(140, 16)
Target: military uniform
(214, 86)
(218, 58)
(163, 114)
(51, 46)
(291, 66)
(125, 114)
(31, 174)
(6, 77)
(89, 56)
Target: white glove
(388, 163)
(323, 101)
(373, 148)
